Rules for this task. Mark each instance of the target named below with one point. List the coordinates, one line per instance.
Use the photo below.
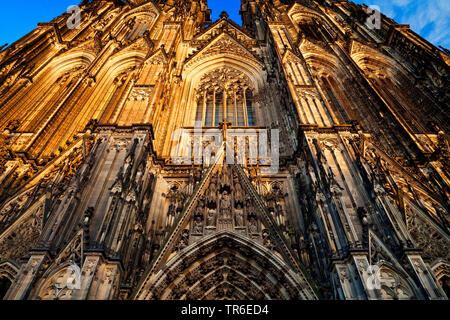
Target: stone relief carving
(393, 286)
(225, 206)
(140, 94)
(427, 237)
(226, 45)
(17, 242)
(61, 285)
(224, 79)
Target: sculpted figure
(239, 216)
(225, 177)
(238, 192)
(198, 225)
(200, 209)
(225, 205)
(211, 218)
(252, 227)
(5, 213)
(212, 192)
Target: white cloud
(430, 18)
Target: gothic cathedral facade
(150, 153)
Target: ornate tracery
(225, 94)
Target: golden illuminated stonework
(148, 153)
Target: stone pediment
(157, 57)
(357, 47)
(89, 45)
(223, 203)
(307, 46)
(224, 44)
(138, 45)
(290, 56)
(222, 26)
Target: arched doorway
(8, 272)
(225, 266)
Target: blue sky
(429, 18)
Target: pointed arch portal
(225, 266)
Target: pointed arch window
(219, 108)
(249, 105)
(336, 97)
(225, 95)
(138, 26)
(138, 30)
(209, 107)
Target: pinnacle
(224, 15)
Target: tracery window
(41, 99)
(312, 28)
(336, 97)
(139, 26)
(225, 94)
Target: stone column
(26, 277)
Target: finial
(224, 15)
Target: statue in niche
(184, 241)
(225, 205)
(212, 192)
(180, 204)
(211, 218)
(304, 254)
(238, 192)
(225, 177)
(200, 208)
(198, 225)
(366, 221)
(239, 212)
(252, 225)
(402, 295)
(197, 176)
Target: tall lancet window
(219, 108)
(225, 94)
(249, 102)
(139, 25)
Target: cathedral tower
(150, 153)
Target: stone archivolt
(225, 260)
